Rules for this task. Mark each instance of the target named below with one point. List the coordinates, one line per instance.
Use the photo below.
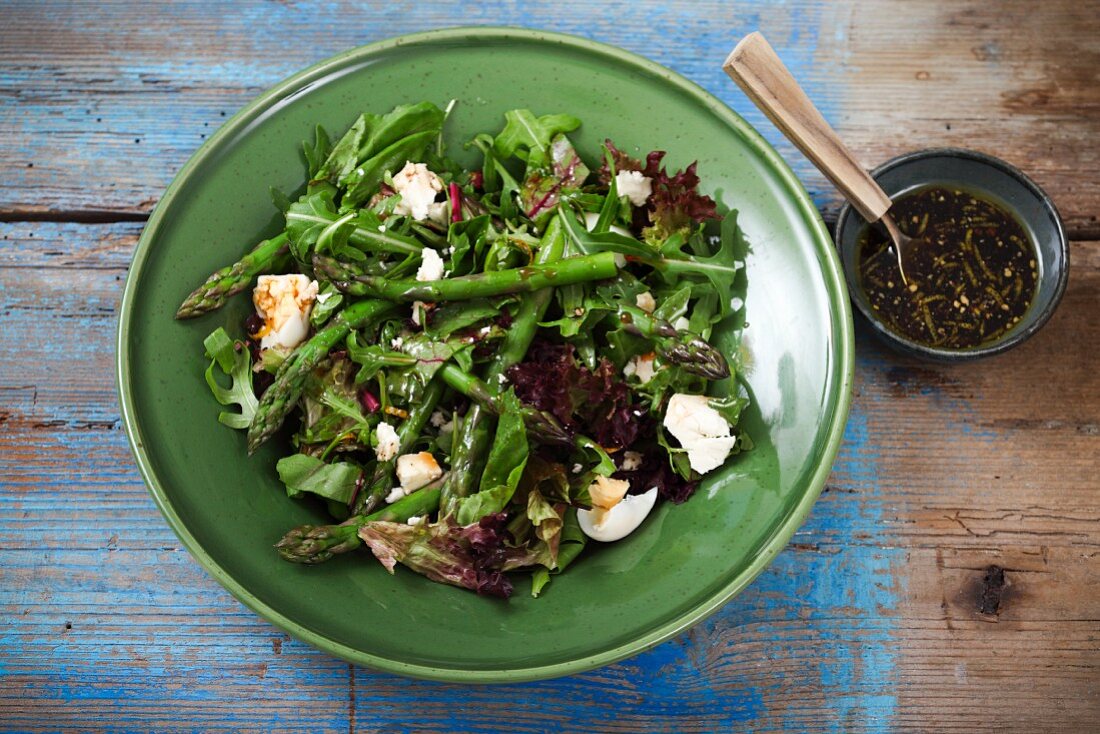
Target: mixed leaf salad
(485, 368)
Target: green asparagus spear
(282, 396)
(471, 441)
(381, 479)
(541, 424)
(583, 269)
(268, 256)
(318, 543)
(474, 433)
(693, 354)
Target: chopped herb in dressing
(971, 275)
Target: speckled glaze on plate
(684, 563)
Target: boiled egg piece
(284, 303)
(608, 525)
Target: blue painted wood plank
(867, 622)
(113, 616)
(106, 131)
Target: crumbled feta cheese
(396, 342)
(646, 302)
(577, 468)
(700, 429)
(501, 378)
(431, 265)
(681, 324)
(418, 187)
(414, 520)
(641, 366)
(417, 470)
(381, 228)
(322, 297)
(632, 461)
(736, 303)
(417, 308)
(438, 419)
(284, 303)
(634, 186)
(387, 442)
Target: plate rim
(833, 281)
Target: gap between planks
(1075, 230)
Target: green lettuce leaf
(503, 468)
(301, 473)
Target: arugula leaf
(363, 181)
(447, 318)
(316, 153)
(401, 122)
(719, 269)
(306, 219)
(301, 473)
(373, 357)
(496, 178)
(329, 301)
(528, 137)
(729, 407)
(371, 134)
(314, 218)
(467, 241)
(343, 157)
(234, 360)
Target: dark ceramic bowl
(1000, 182)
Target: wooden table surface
(947, 580)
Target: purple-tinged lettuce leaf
(471, 556)
(675, 205)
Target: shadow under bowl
(999, 181)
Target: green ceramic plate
(684, 563)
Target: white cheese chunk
(700, 429)
(632, 461)
(634, 186)
(284, 302)
(417, 470)
(418, 187)
(641, 366)
(646, 302)
(387, 442)
(431, 265)
(681, 324)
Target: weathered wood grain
(946, 580)
(103, 102)
(871, 620)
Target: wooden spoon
(757, 69)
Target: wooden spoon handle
(756, 68)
